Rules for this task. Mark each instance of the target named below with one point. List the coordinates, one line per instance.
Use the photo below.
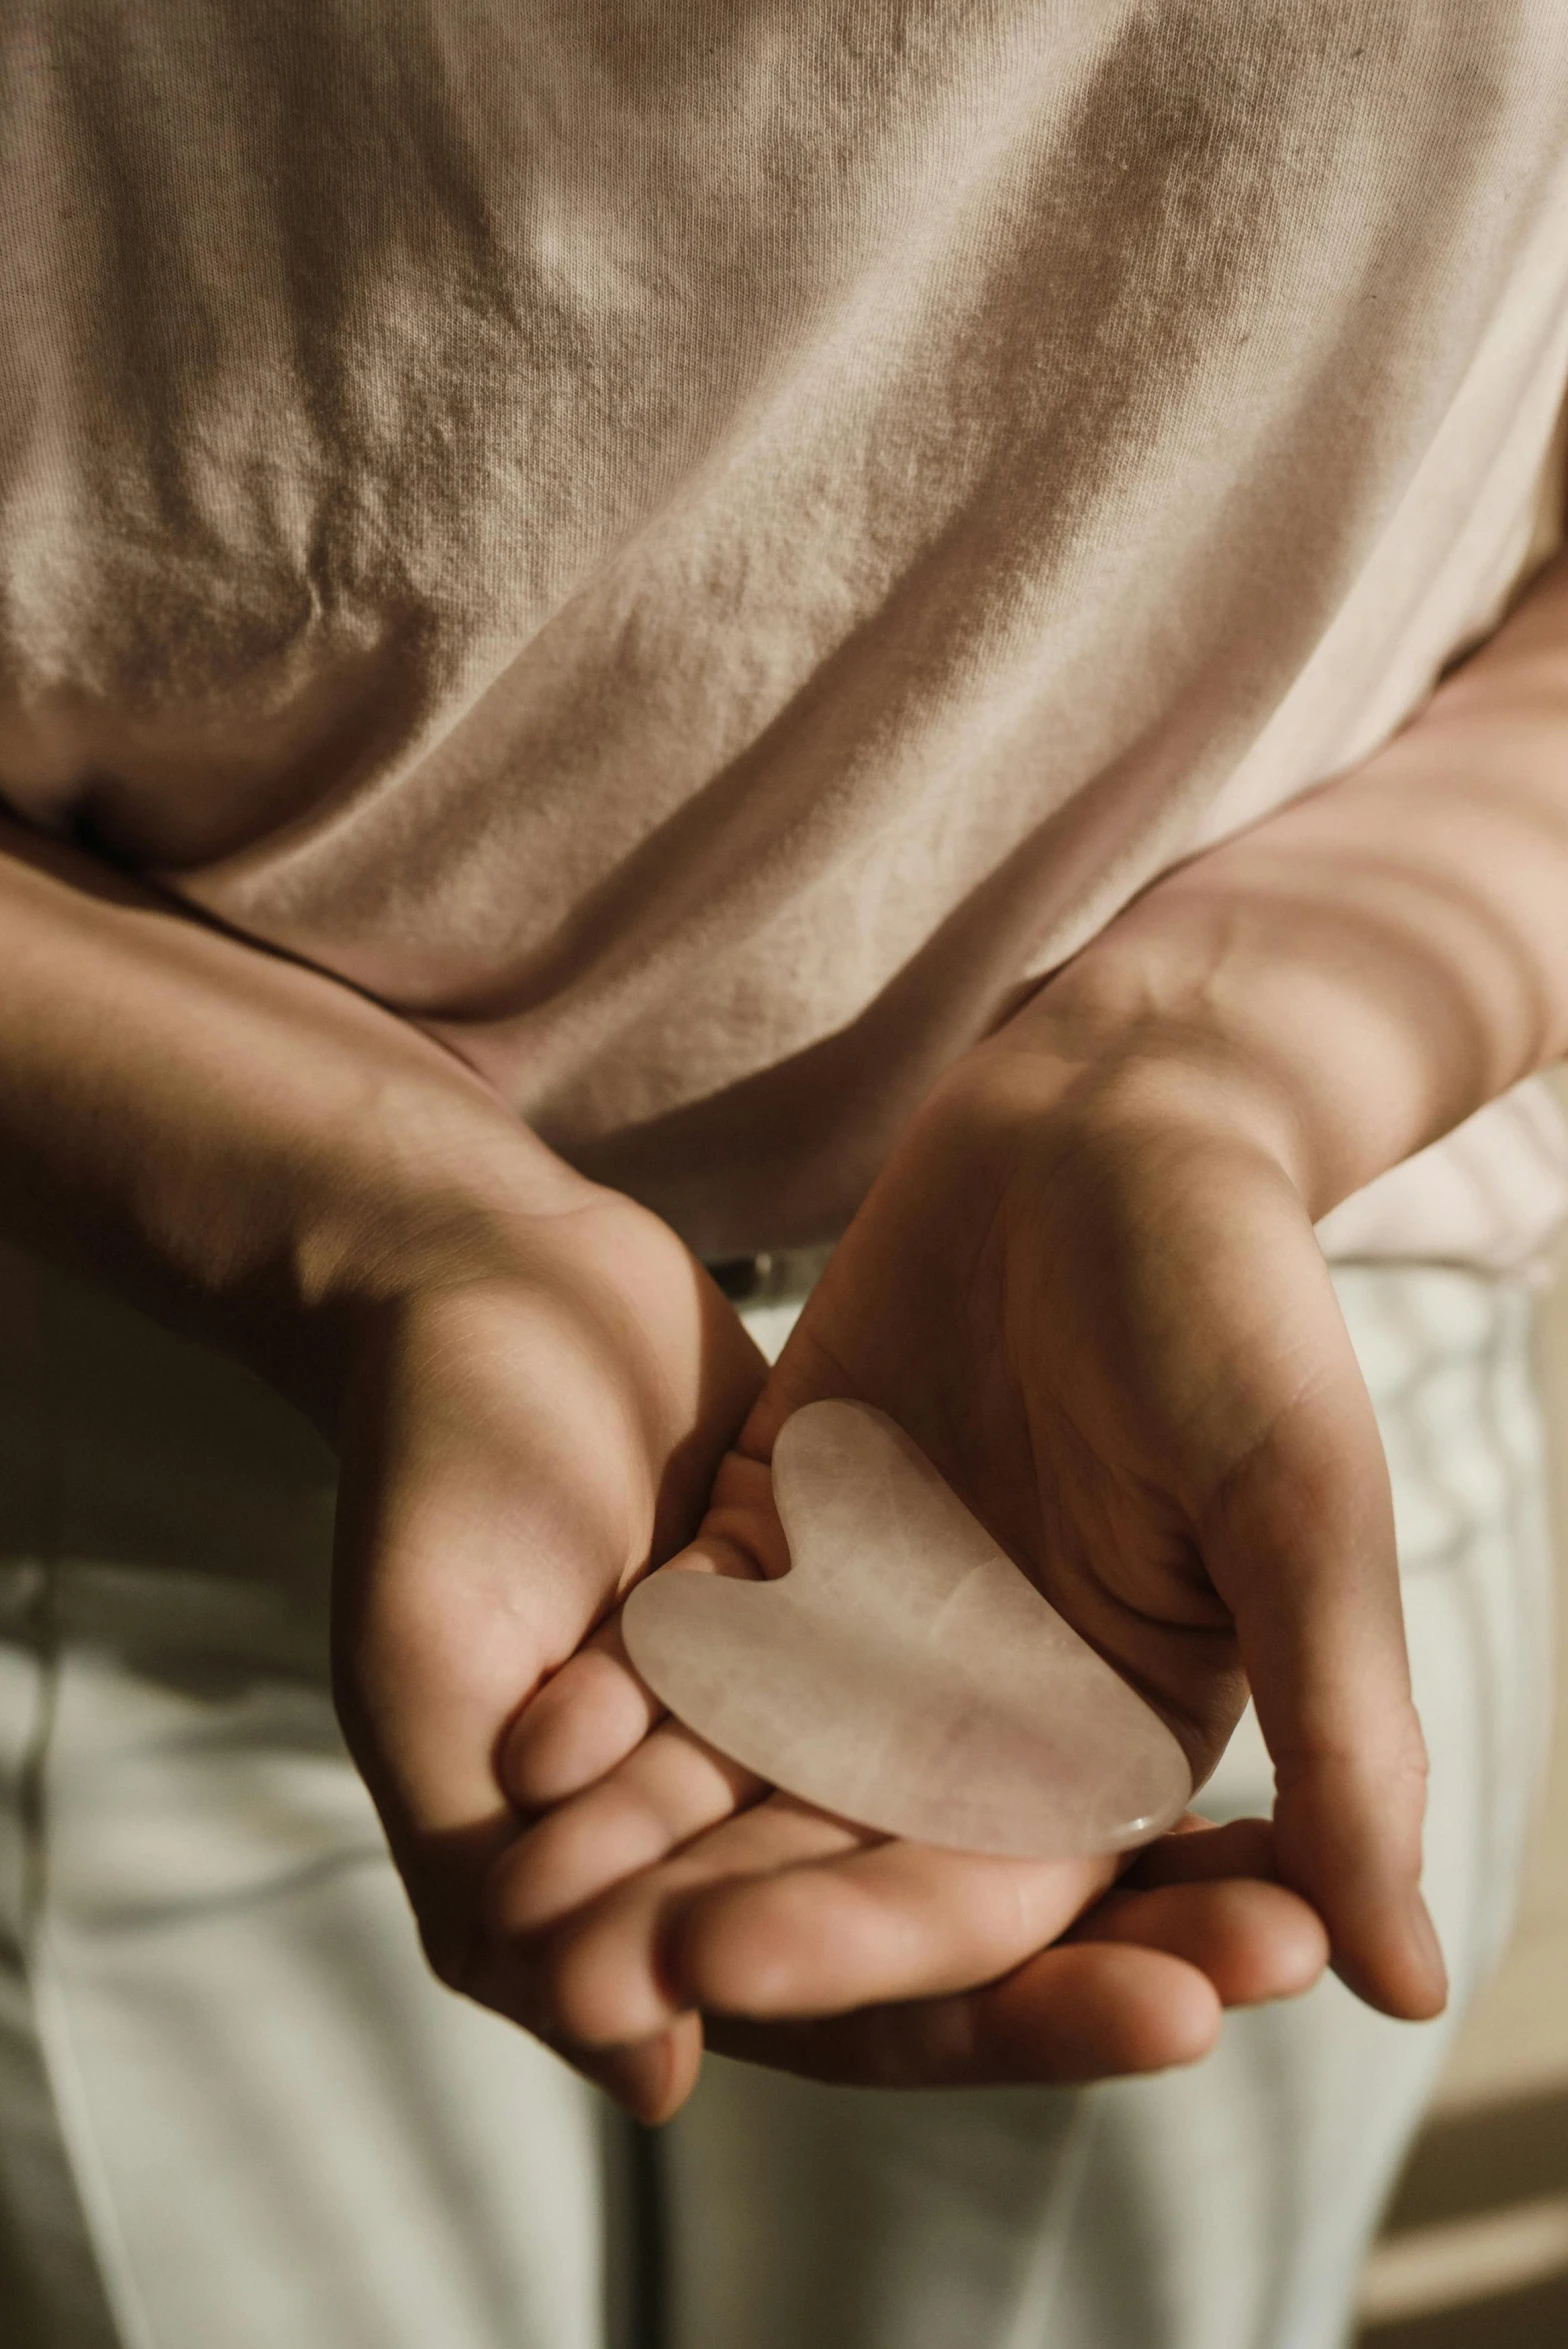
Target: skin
(1201, 1491)
(1086, 1282)
(1186, 1488)
(531, 1385)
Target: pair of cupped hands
(1096, 1302)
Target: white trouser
(236, 2114)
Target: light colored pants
(235, 2113)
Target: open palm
(1119, 1342)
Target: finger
(610, 1981)
(900, 1920)
(1194, 1851)
(892, 1922)
(1248, 1940)
(1302, 1547)
(650, 2076)
(670, 1788)
(587, 1718)
(595, 1709)
(1255, 1941)
(1071, 2014)
(651, 2081)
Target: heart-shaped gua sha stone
(904, 1673)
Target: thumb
(1301, 1546)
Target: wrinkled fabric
(698, 548)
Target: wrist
(1127, 1047)
(1236, 991)
(1382, 957)
(431, 1187)
(256, 1154)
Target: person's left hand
(1104, 1316)
(1199, 1922)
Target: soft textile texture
(698, 546)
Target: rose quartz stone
(904, 1673)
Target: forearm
(240, 1144)
(1377, 961)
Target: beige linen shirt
(699, 546)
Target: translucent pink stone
(904, 1673)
